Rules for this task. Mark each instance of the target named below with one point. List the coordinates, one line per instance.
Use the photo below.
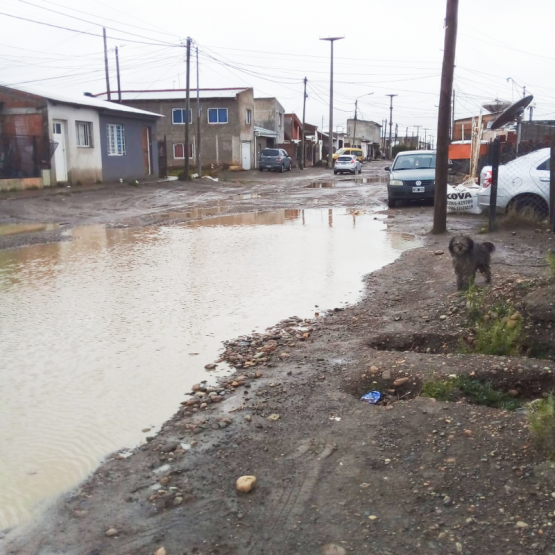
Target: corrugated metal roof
(81, 100)
(261, 132)
(178, 94)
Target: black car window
(270, 152)
(415, 162)
(544, 165)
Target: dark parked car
(274, 159)
(412, 176)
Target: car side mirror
(387, 169)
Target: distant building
(227, 126)
(368, 136)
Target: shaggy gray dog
(468, 257)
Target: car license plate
(418, 189)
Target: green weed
(551, 262)
(477, 392)
(541, 419)
(475, 303)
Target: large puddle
(99, 334)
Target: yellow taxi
(350, 152)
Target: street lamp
(356, 106)
(330, 155)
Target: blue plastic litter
(373, 397)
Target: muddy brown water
(103, 335)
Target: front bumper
(404, 192)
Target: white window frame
(87, 136)
(111, 130)
(217, 112)
(248, 117)
(280, 119)
(183, 146)
(182, 110)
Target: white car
(523, 182)
(347, 163)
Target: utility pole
(199, 166)
(396, 132)
(444, 117)
(524, 91)
(418, 136)
(384, 135)
(186, 116)
(330, 147)
(304, 114)
(355, 126)
(106, 64)
(426, 129)
(453, 118)
(117, 71)
(390, 121)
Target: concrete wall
(266, 115)
(220, 143)
(367, 130)
(131, 164)
(84, 164)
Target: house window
(116, 139)
(57, 129)
(178, 151)
(84, 134)
(249, 117)
(178, 116)
(279, 116)
(217, 115)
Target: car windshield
(270, 152)
(344, 158)
(415, 162)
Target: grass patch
(497, 328)
(541, 419)
(551, 262)
(524, 216)
(477, 392)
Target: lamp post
(330, 154)
(355, 126)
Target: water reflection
(97, 332)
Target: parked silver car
(274, 159)
(347, 164)
(521, 183)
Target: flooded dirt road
(102, 335)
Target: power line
(87, 32)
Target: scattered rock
(386, 375)
(160, 551)
(210, 366)
(245, 483)
(400, 381)
(439, 253)
(273, 417)
(513, 392)
(521, 524)
(333, 549)
(177, 501)
(111, 532)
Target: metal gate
(163, 158)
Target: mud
(334, 474)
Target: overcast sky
(389, 47)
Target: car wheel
(261, 169)
(529, 205)
(391, 203)
(282, 169)
(335, 173)
(289, 168)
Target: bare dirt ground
(335, 475)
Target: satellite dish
(512, 112)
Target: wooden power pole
(302, 138)
(106, 65)
(187, 105)
(444, 117)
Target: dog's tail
(490, 247)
